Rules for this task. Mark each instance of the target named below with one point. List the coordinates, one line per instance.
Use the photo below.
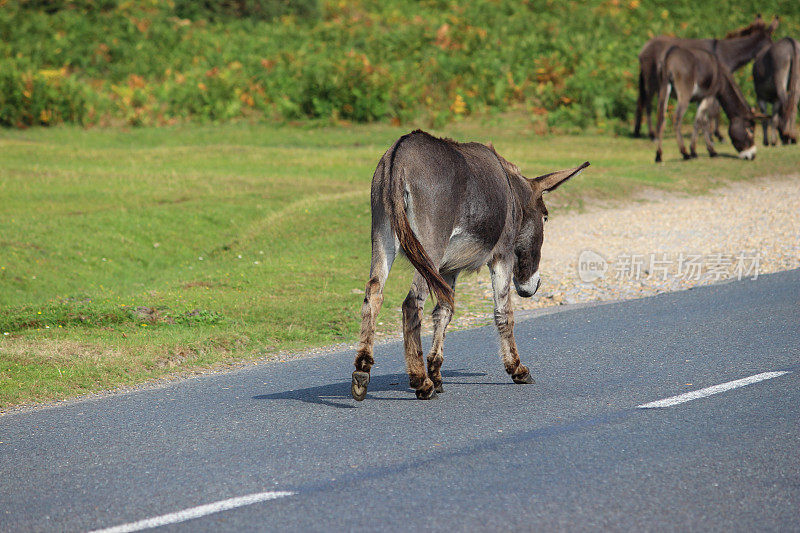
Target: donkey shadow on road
(338, 394)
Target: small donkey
(697, 75)
(450, 207)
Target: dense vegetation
(567, 64)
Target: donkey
(776, 75)
(451, 207)
(697, 75)
(734, 51)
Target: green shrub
(350, 88)
(570, 64)
(84, 6)
(42, 97)
(252, 9)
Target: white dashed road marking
(232, 503)
(195, 512)
(708, 391)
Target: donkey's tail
(640, 102)
(664, 84)
(793, 91)
(664, 88)
(641, 82)
(395, 203)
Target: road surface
(283, 447)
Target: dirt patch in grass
(193, 284)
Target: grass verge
(126, 255)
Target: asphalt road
(572, 452)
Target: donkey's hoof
(693, 154)
(359, 386)
(438, 388)
(658, 157)
(426, 395)
(712, 153)
(686, 156)
(523, 379)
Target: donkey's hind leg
(762, 105)
(661, 118)
(442, 314)
(775, 123)
(648, 112)
(699, 124)
(412, 322)
(713, 120)
(705, 121)
(680, 110)
(504, 320)
(707, 135)
(637, 122)
(383, 254)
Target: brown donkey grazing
(697, 75)
(776, 75)
(734, 51)
(451, 207)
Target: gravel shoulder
(659, 243)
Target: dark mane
(758, 25)
(508, 166)
(445, 139)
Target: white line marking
(194, 512)
(708, 391)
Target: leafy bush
(569, 64)
(255, 9)
(40, 98)
(53, 6)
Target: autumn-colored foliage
(568, 64)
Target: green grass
(102, 234)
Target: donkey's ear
(548, 182)
(774, 24)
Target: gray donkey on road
(734, 51)
(776, 75)
(451, 207)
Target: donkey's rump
(457, 199)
